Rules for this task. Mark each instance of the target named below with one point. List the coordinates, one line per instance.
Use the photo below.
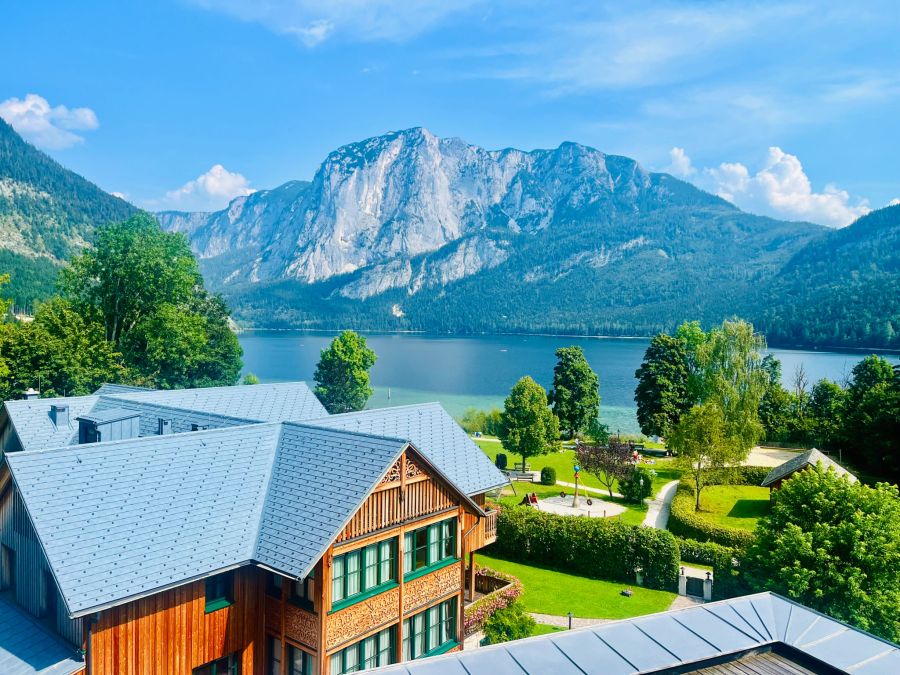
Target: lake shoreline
(425, 333)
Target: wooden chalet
(251, 546)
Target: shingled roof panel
(810, 457)
(435, 434)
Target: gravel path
(658, 509)
(563, 621)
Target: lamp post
(569, 614)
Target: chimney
(59, 413)
(31, 393)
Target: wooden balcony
(485, 532)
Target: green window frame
(362, 573)
(227, 665)
(430, 632)
(219, 591)
(429, 547)
(371, 652)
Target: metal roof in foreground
(28, 648)
(681, 641)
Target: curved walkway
(658, 509)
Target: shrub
(501, 461)
(592, 547)
(508, 623)
(481, 610)
(639, 484)
(548, 476)
(684, 522)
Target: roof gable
(435, 434)
(320, 478)
(810, 457)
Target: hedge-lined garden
(725, 563)
(685, 522)
(592, 547)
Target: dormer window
(199, 427)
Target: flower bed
(502, 589)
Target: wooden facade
(172, 633)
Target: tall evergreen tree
(662, 391)
(342, 375)
(575, 396)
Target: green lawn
(737, 506)
(543, 629)
(551, 592)
(564, 461)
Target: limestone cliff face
(411, 210)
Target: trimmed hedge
(548, 476)
(592, 547)
(501, 461)
(684, 522)
(742, 475)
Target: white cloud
(210, 191)
(894, 202)
(120, 195)
(313, 22)
(45, 125)
(780, 188)
(680, 165)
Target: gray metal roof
(109, 388)
(112, 414)
(809, 458)
(679, 641)
(435, 434)
(282, 402)
(222, 406)
(28, 648)
(122, 519)
(34, 426)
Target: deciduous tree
(342, 375)
(702, 444)
(610, 463)
(527, 425)
(834, 546)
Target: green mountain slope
(46, 213)
(841, 290)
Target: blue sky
(786, 108)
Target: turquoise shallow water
(463, 372)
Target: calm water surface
(463, 372)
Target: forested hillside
(47, 213)
(841, 290)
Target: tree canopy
(662, 394)
(143, 287)
(575, 396)
(610, 463)
(527, 426)
(342, 375)
(834, 546)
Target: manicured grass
(564, 461)
(543, 629)
(551, 592)
(737, 506)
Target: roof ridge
(319, 427)
(254, 549)
(138, 439)
(366, 411)
(115, 398)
